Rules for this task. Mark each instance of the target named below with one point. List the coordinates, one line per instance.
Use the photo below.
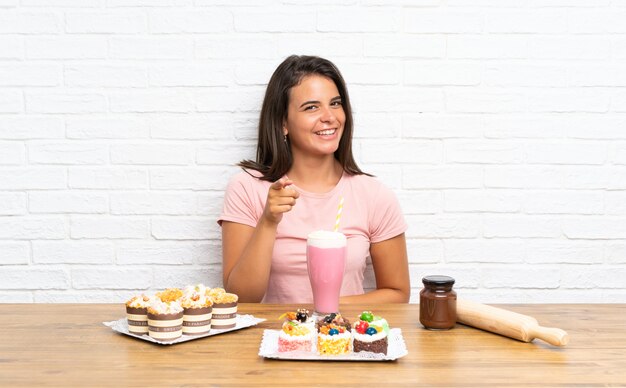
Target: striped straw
(339, 210)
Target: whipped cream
(194, 289)
(369, 338)
(140, 301)
(196, 300)
(159, 307)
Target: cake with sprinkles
(297, 333)
(333, 335)
(370, 334)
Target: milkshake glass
(326, 261)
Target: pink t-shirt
(371, 213)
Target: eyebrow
(317, 102)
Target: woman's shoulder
(247, 178)
(247, 174)
(369, 186)
(365, 181)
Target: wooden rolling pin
(507, 323)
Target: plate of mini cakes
(178, 315)
(333, 338)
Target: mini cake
(333, 335)
(197, 311)
(170, 295)
(137, 314)
(165, 320)
(369, 334)
(297, 333)
(224, 309)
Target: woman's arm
(391, 268)
(247, 251)
(246, 259)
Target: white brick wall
(501, 126)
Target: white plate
(395, 350)
(243, 321)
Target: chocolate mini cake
(165, 321)
(137, 314)
(370, 334)
(224, 310)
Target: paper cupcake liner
(224, 315)
(165, 327)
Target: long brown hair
(273, 154)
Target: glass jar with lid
(438, 303)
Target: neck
(316, 175)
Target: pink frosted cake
(298, 332)
(137, 314)
(165, 320)
(197, 310)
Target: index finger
(281, 184)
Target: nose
(327, 116)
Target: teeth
(326, 132)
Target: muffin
(165, 320)
(137, 314)
(197, 312)
(224, 309)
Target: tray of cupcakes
(333, 338)
(177, 315)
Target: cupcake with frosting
(224, 308)
(197, 311)
(165, 320)
(137, 313)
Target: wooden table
(67, 345)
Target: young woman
(303, 166)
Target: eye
(336, 103)
(310, 107)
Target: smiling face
(315, 117)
